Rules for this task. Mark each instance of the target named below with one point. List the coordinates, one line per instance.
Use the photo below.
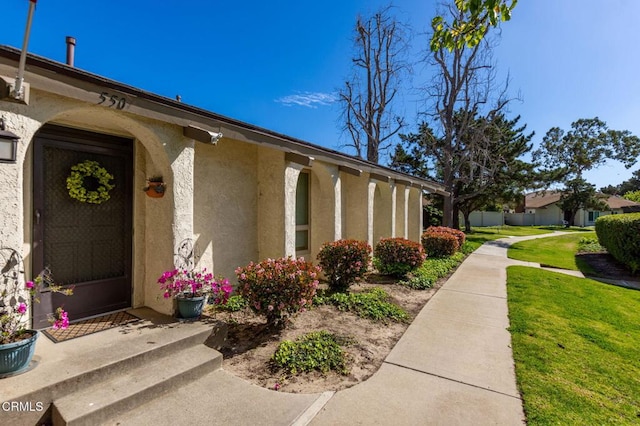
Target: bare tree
(368, 96)
(463, 89)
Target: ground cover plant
(432, 269)
(556, 252)
(318, 350)
(575, 348)
(373, 304)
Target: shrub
(439, 244)
(373, 304)
(344, 262)
(234, 303)
(319, 350)
(278, 288)
(397, 256)
(620, 235)
(589, 245)
(460, 236)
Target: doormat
(90, 326)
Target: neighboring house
(240, 192)
(545, 206)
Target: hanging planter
(155, 187)
(89, 182)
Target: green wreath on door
(89, 182)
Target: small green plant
(319, 351)
(373, 304)
(589, 245)
(397, 256)
(432, 270)
(234, 303)
(344, 262)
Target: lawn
(557, 252)
(480, 235)
(575, 345)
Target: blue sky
(278, 64)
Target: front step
(131, 388)
(75, 365)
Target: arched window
(302, 213)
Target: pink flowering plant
(278, 288)
(15, 299)
(184, 283)
(344, 262)
(398, 256)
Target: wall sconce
(8, 144)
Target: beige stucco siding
(355, 191)
(225, 205)
(270, 226)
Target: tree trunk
(467, 221)
(456, 217)
(447, 211)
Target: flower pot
(190, 307)
(16, 356)
(155, 189)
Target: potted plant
(190, 289)
(17, 341)
(155, 187)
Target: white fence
(485, 218)
(519, 219)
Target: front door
(84, 245)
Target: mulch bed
(605, 266)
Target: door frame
(51, 135)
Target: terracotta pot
(155, 189)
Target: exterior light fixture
(8, 144)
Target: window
(302, 212)
(593, 216)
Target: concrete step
(129, 388)
(75, 365)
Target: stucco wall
(226, 205)
(355, 190)
(270, 164)
(323, 214)
(415, 214)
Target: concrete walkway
(453, 366)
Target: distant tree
(466, 101)
(632, 184)
(565, 156)
(633, 196)
(368, 96)
(476, 16)
(486, 170)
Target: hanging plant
(88, 182)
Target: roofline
(185, 114)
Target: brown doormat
(90, 326)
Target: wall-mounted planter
(155, 188)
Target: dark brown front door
(87, 246)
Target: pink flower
(22, 308)
(61, 320)
(29, 284)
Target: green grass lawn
(480, 235)
(575, 345)
(557, 252)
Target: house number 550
(112, 100)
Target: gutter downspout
(18, 92)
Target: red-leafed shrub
(397, 256)
(439, 244)
(278, 288)
(344, 262)
(460, 236)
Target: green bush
(234, 303)
(319, 351)
(431, 271)
(344, 262)
(397, 256)
(589, 245)
(278, 288)
(620, 235)
(439, 244)
(373, 304)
